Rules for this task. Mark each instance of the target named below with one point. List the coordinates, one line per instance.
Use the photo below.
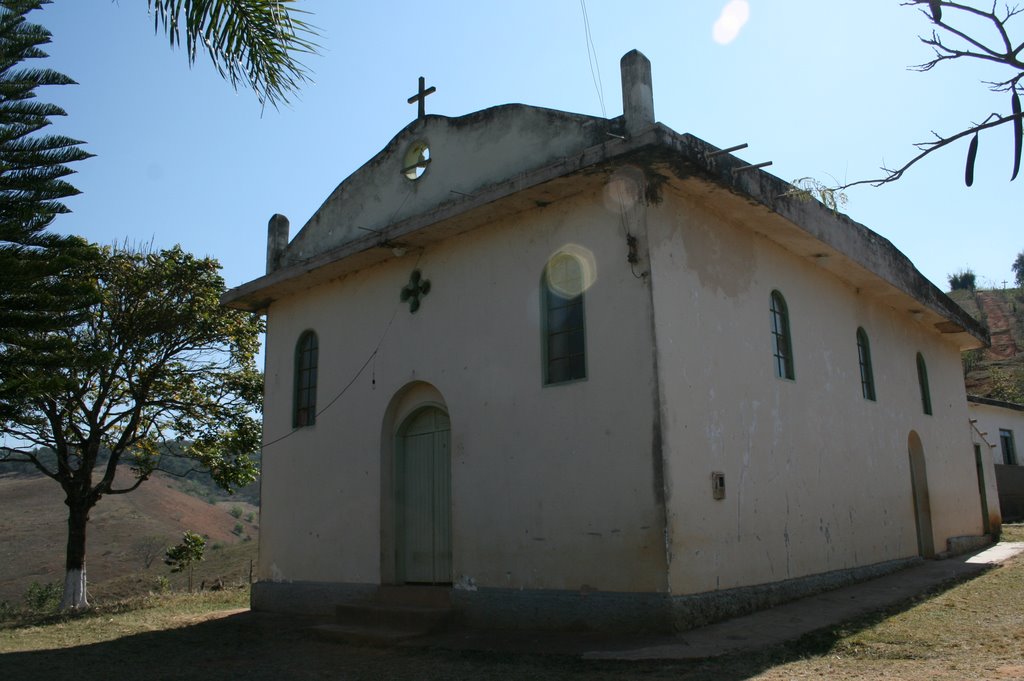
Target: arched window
(565, 354)
(782, 345)
(922, 380)
(867, 375)
(304, 407)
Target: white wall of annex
(990, 420)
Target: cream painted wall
(990, 419)
(817, 477)
(553, 487)
(560, 487)
(497, 143)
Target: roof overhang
(988, 401)
(682, 163)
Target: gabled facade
(593, 371)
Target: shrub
(43, 597)
(236, 511)
(239, 529)
(962, 280)
(972, 360)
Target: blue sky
(819, 87)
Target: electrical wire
(592, 59)
(355, 377)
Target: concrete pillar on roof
(637, 92)
(277, 241)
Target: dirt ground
(954, 634)
(972, 629)
(243, 645)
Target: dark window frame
(922, 382)
(782, 338)
(307, 351)
(1009, 447)
(563, 321)
(867, 373)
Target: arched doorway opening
(922, 504)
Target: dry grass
(973, 630)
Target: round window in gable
(416, 160)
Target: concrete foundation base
(965, 544)
(553, 609)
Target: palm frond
(254, 42)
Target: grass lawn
(972, 630)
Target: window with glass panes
(564, 337)
(304, 412)
(867, 376)
(1008, 446)
(922, 381)
(782, 345)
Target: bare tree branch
(1002, 53)
(893, 174)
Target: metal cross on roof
(421, 96)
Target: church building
(576, 371)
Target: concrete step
(412, 618)
(358, 635)
(395, 613)
(414, 594)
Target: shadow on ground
(262, 646)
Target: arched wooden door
(423, 498)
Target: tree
(964, 280)
(156, 357)
(256, 42)
(951, 40)
(184, 555)
(1018, 269)
(148, 548)
(39, 291)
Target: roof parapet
(637, 92)
(277, 241)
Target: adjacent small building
(997, 425)
(578, 371)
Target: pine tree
(40, 289)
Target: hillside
(188, 478)
(124, 531)
(997, 371)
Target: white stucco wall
(560, 487)
(553, 487)
(817, 477)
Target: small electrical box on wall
(718, 485)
